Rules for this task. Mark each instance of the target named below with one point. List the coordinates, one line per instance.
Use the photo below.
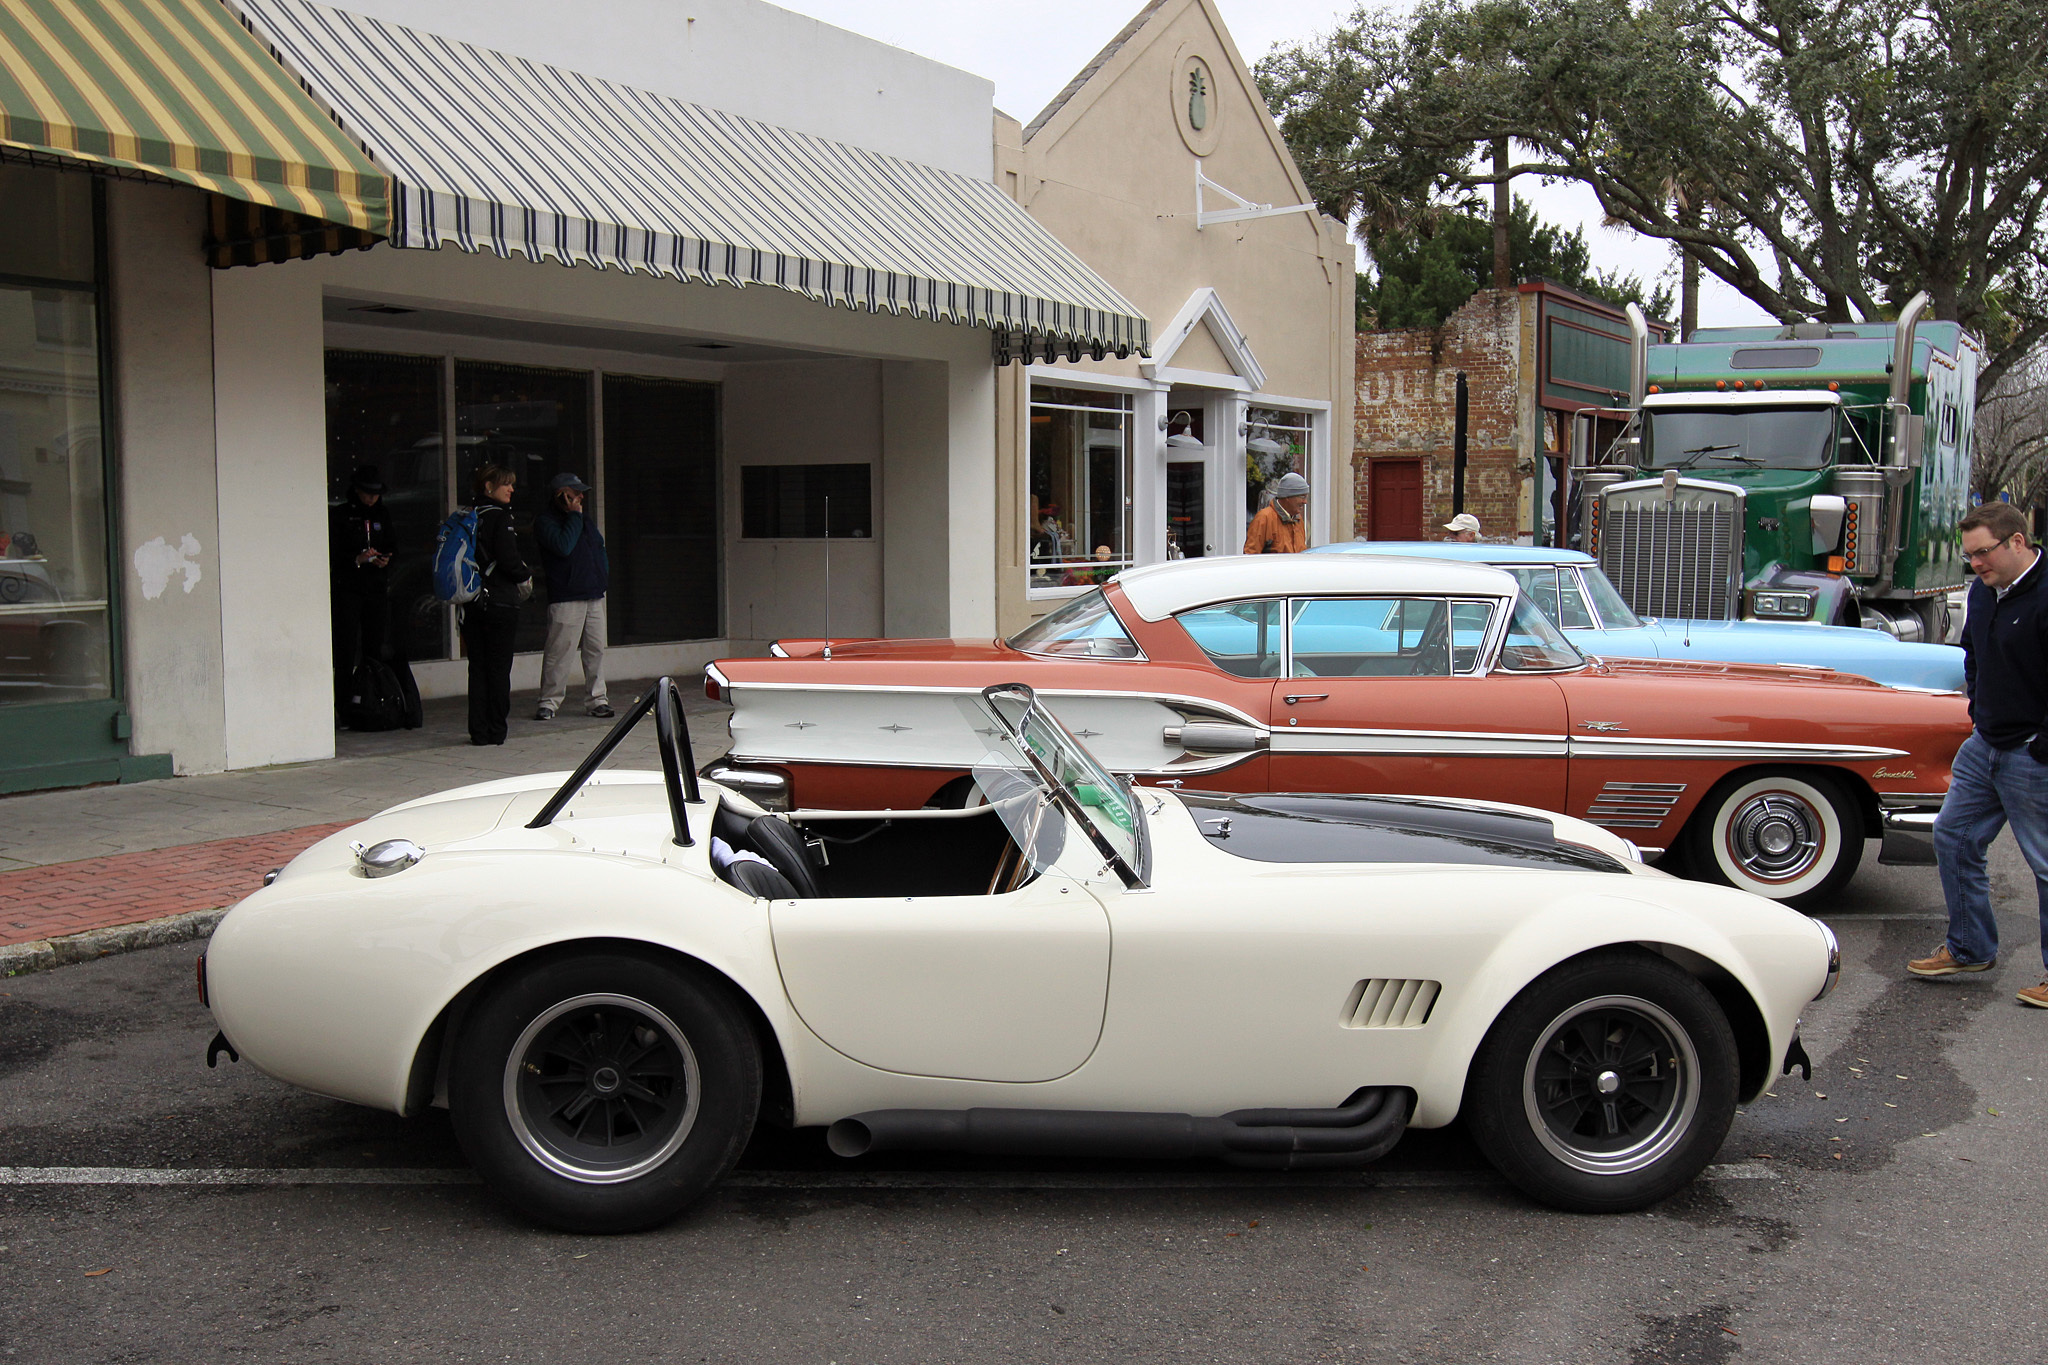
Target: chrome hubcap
(1775, 836)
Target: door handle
(1307, 696)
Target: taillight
(202, 980)
(714, 683)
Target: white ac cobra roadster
(608, 979)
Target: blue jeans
(1988, 787)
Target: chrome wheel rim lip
(564, 1163)
(1669, 1118)
(1776, 836)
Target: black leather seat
(761, 880)
(778, 841)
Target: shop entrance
(1187, 519)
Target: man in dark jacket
(2000, 774)
(359, 550)
(491, 623)
(578, 573)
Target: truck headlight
(1784, 606)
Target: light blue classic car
(1573, 592)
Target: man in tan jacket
(1281, 526)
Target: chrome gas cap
(392, 855)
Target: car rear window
(1239, 637)
(1086, 628)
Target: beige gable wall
(1111, 175)
(1202, 352)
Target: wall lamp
(1182, 439)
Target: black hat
(366, 478)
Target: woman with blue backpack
(490, 621)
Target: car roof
(1467, 551)
(1158, 591)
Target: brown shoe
(1943, 963)
(2035, 995)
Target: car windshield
(1034, 763)
(1534, 643)
(1738, 438)
(1085, 626)
(1615, 614)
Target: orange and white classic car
(1378, 675)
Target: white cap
(1464, 521)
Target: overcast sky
(1032, 48)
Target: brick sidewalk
(101, 893)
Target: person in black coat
(359, 552)
(1999, 778)
(490, 624)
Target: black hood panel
(1383, 829)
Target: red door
(1394, 501)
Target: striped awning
(179, 90)
(494, 153)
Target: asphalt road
(1892, 1210)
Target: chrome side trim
(1587, 746)
(1911, 800)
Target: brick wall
(1407, 406)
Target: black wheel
(604, 1093)
(1606, 1084)
(1792, 837)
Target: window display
(1079, 508)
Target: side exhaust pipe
(1364, 1129)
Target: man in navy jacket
(2000, 774)
(578, 573)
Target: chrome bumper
(1908, 838)
(767, 788)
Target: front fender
(1776, 956)
(329, 981)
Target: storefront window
(661, 509)
(385, 411)
(1276, 443)
(1079, 512)
(55, 624)
(536, 423)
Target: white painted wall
(742, 56)
(801, 412)
(161, 341)
(271, 437)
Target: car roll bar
(678, 765)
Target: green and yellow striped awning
(179, 89)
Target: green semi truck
(1813, 472)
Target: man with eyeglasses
(2000, 774)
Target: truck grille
(1676, 557)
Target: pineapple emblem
(1198, 97)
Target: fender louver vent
(1384, 1003)
(1634, 805)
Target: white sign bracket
(1245, 209)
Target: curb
(41, 955)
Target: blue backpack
(458, 577)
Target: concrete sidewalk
(89, 861)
